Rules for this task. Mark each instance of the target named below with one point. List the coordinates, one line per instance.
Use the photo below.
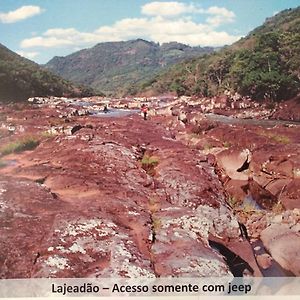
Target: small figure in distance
(105, 110)
(144, 110)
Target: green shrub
(154, 205)
(278, 208)
(149, 160)
(26, 143)
(227, 144)
(232, 201)
(3, 164)
(47, 134)
(282, 139)
(149, 163)
(208, 146)
(157, 224)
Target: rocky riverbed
(86, 196)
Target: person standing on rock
(105, 110)
(144, 110)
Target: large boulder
(235, 163)
(283, 243)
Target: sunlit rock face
(87, 202)
(113, 195)
(276, 238)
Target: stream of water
(263, 123)
(116, 113)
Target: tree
(262, 72)
(219, 69)
(178, 87)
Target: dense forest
(265, 64)
(21, 78)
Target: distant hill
(21, 78)
(120, 66)
(264, 64)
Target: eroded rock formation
(124, 197)
(116, 197)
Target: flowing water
(116, 113)
(238, 121)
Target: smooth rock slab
(232, 160)
(284, 246)
(27, 212)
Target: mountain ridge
(21, 78)
(112, 66)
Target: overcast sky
(41, 29)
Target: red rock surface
(82, 205)
(124, 197)
(288, 110)
(259, 161)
